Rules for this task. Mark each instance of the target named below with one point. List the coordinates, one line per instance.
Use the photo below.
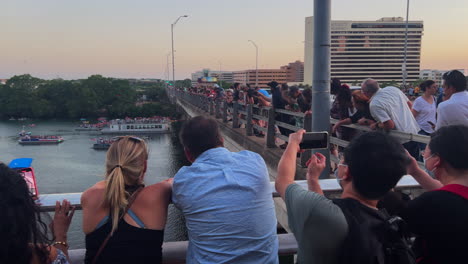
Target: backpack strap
(130, 202)
(456, 189)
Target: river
(73, 166)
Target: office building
(368, 49)
(293, 72)
(435, 75)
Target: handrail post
(217, 109)
(225, 108)
(205, 104)
(235, 115)
(305, 156)
(211, 107)
(248, 120)
(270, 136)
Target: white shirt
(454, 111)
(426, 112)
(390, 103)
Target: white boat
(129, 127)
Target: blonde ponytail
(125, 165)
(116, 196)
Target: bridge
(237, 122)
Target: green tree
(18, 96)
(183, 83)
(225, 85)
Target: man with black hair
(225, 198)
(453, 111)
(373, 164)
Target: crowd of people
(387, 108)
(227, 203)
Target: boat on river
(39, 140)
(86, 126)
(154, 125)
(103, 143)
(23, 167)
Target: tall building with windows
(435, 75)
(293, 72)
(368, 49)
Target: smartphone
(314, 140)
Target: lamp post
(172, 40)
(256, 62)
(405, 73)
(167, 69)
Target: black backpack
(374, 237)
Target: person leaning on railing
(123, 220)
(23, 233)
(439, 217)
(362, 116)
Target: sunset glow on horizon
(126, 39)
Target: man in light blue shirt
(225, 198)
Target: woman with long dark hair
(123, 220)
(23, 233)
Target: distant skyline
(130, 39)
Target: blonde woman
(123, 220)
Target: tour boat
(88, 128)
(39, 140)
(138, 126)
(103, 144)
(23, 167)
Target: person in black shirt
(236, 91)
(439, 217)
(362, 115)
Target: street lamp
(405, 73)
(172, 39)
(167, 68)
(256, 62)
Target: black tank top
(128, 244)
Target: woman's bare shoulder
(158, 191)
(97, 190)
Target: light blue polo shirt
(227, 203)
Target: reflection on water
(74, 166)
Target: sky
(131, 39)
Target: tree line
(28, 96)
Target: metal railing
(248, 116)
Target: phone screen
(314, 140)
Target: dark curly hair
(22, 231)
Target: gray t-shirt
(318, 224)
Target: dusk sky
(122, 38)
